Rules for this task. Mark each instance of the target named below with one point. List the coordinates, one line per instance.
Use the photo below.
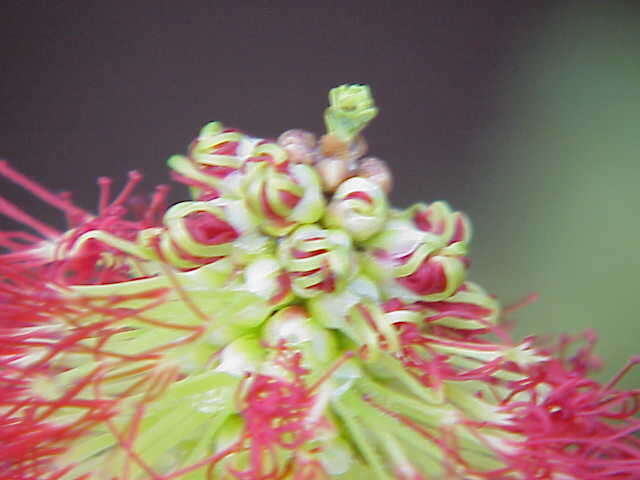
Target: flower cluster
(284, 323)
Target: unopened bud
(295, 327)
(332, 172)
(317, 260)
(332, 146)
(297, 137)
(299, 144)
(244, 354)
(358, 148)
(376, 171)
(297, 153)
(359, 206)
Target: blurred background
(524, 114)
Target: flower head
(283, 323)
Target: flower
(351, 109)
(416, 260)
(284, 323)
(359, 206)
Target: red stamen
(158, 202)
(523, 302)
(15, 213)
(633, 361)
(39, 191)
(135, 178)
(104, 184)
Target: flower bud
(299, 144)
(251, 242)
(376, 171)
(351, 109)
(331, 309)
(357, 312)
(332, 172)
(265, 277)
(317, 260)
(216, 149)
(297, 153)
(281, 200)
(241, 356)
(368, 326)
(269, 152)
(359, 207)
(298, 137)
(437, 276)
(438, 219)
(196, 233)
(294, 326)
(414, 265)
(214, 156)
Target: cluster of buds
(284, 323)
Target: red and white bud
(359, 207)
(283, 198)
(317, 260)
(414, 265)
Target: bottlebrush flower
(284, 323)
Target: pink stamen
(104, 184)
(135, 178)
(633, 361)
(38, 190)
(523, 302)
(15, 213)
(158, 201)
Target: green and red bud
(350, 110)
(317, 260)
(414, 265)
(359, 207)
(283, 199)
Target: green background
(562, 200)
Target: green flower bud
(215, 147)
(283, 199)
(266, 278)
(241, 356)
(413, 265)
(197, 229)
(356, 312)
(358, 206)
(252, 243)
(350, 109)
(298, 330)
(438, 219)
(331, 309)
(215, 158)
(317, 260)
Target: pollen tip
(135, 175)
